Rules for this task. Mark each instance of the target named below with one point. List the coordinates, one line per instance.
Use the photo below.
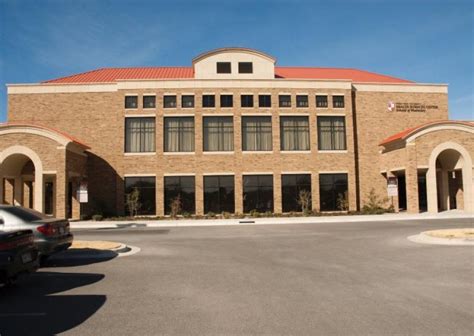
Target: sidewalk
(266, 221)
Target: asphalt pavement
(299, 279)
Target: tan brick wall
(98, 120)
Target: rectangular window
(257, 133)
(149, 101)
(284, 100)
(218, 134)
(245, 67)
(131, 102)
(208, 101)
(223, 68)
(169, 101)
(227, 100)
(331, 133)
(139, 135)
(301, 101)
(264, 101)
(322, 101)
(295, 189)
(187, 101)
(146, 189)
(219, 194)
(179, 134)
(294, 133)
(333, 192)
(180, 194)
(258, 193)
(246, 100)
(338, 101)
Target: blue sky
(425, 41)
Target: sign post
(392, 187)
(82, 193)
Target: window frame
(223, 64)
(185, 202)
(135, 98)
(206, 97)
(180, 129)
(296, 134)
(152, 195)
(221, 96)
(333, 190)
(326, 100)
(333, 133)
(260, 131)
(242, 99)
(286, 191)
(265, 100)
(145, 96)
(187, 96)
(284, 100)
(242, 67)
(306, 100)
(228, 206)
(260, 191)
(141, 136)
(335, 104)
(172, 97)
(221, 131)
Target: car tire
(43, 259)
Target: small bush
(187, 214)
(268, 214)
(254, 213)
(375, 205)
(227, 215)
(97, 217)
(210, 214)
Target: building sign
(392, 186)
(410, 107)
(82, 193)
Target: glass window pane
(246, 100)
(257, 134)
(331, 133)
(258, 193)
(301, 101)
(218, 134)
(223, 67)
(245, 67)
(332, 188)
(208, 101)
(131, 102)
(149, 101)
(169, 101)
(179, 134)
(294, 133)
(180, 188)
(227, 101)
(219, 194)
(321, 101)
(284, 100)
(146, 188)
(139, 135)
(187, 101)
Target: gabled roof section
(110, 75)
(20, 127)
(405, 134)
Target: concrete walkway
(263, 221)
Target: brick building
(232, 133)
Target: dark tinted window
(246, 100)
(338, 101)
(187, 101)
(223, 67)
(321, 101)
(149, 101)
(264, 101)
(301, 101)
(292, 186)
(219, 194)
(26, 215)
(332, 191)
(180, 188)
(245, 67)
(169, 101)
(227, 101)
(258, 193)
(208, 101)
(147, 193)
(284, 100)
(131, 102)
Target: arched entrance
(21, 178)
(449, 178)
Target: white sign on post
(82, 193)
(392, 186)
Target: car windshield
(27, 215)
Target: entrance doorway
(422, 195)
(402, 192)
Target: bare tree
(133, 202)
(304, 200)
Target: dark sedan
(18, 255)
(51, 235)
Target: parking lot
(300, 279)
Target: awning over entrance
(433, 164)
(40, 168)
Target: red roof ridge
(47, 128)
(409, 131)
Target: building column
(60, 196)
(315, 192)
(411, 180)
(432, 190)
(2, 187)
(277, 201)
(444, 190)
(468, 187)
(18, 191)
(76, 206)
(239, 193)
(199, 194)
(160, 195)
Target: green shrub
(375, 205)
(97, 217)
(254, 213)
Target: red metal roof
(408, 132)
(107, 75)
(22, 124)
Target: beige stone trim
(428, 129)
(258, 173)
(60, 88)
(179, 153)
(23, 129)
(342, 151)
(139, 154)
(178, 174)
(218, 152)
(295, 172)
(139, 175)
(219, 174)
(295, 152)
(333, 172)
(257, 152)
(140, 115)
(401, 87)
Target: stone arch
(17, 150)
(466, 175)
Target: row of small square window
(227, 100)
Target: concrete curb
(263, 221)
(423, 238)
